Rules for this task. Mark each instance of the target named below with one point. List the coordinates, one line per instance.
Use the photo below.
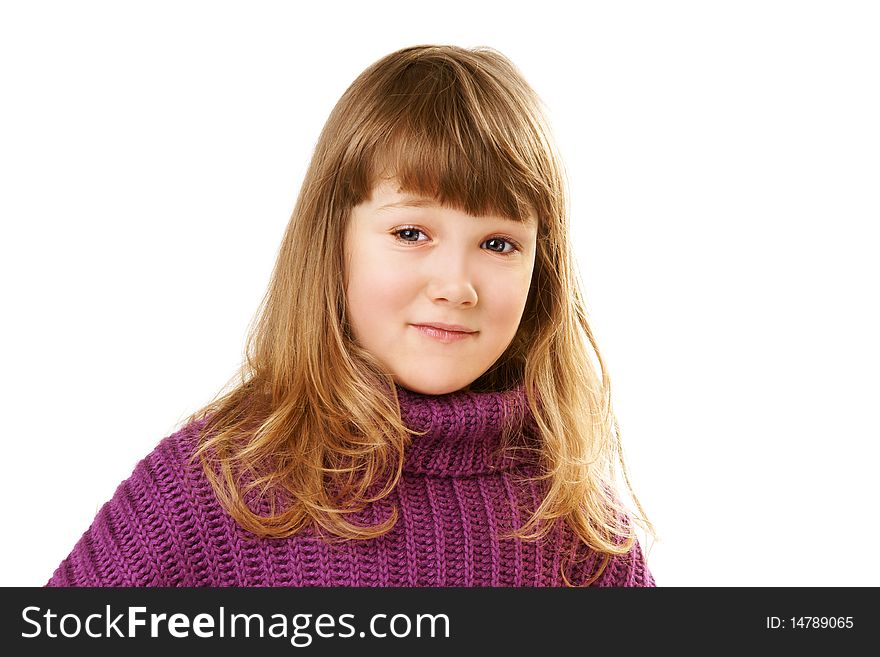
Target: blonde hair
(310, 429)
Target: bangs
(457, 135)
(467, 180)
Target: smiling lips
(445, 333)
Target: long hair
(309, 432)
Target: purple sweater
(165, 527)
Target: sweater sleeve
(136, 539)
(630, 569)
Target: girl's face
(410, 263)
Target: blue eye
(409, 235)
(503, 241)
(407, 230)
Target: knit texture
(165, 527)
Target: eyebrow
(412, 202)
(424, 202)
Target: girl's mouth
(442, 335)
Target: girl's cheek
(383, 286)
(389, 280)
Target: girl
(417, 405)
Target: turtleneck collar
(464, 431)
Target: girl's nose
(459, 295)
(453, 285)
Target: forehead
(388, 195)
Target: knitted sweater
(165, 527)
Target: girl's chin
(431, 387)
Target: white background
(724, 161)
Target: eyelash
(515, 246)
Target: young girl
(418, 405)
